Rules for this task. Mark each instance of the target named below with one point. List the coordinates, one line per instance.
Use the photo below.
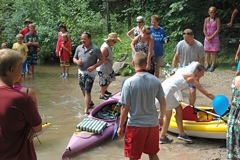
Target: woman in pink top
(211, 29)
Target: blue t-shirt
(159, 37)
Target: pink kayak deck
(83, 140)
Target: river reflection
(60, 102)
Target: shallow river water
(60, 102)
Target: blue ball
(220, 104)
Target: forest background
(100, 17)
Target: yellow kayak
(45, 126)
(200, 124)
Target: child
(159, 36)
(23, 49)
(4, 45)
(31, 40)
(211, 29)
(18, 86)
(64, 54)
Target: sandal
(103, 97)
(91, 105)
(108, 93)
(86, 113)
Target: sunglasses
(148, 32)
(139, 22)
(190, 33)
(114, 41)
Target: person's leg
(153, 157)
(166, 123)
(67, 70)
(159, 62)
(103, 90)
(151, 146)
(88, 88)
(179, 119)
(207, 60)
(87, 101)
(63, 71)
(103, 83)
(192, 96)
(214, 58)
(32, 69)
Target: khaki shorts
(159, 61)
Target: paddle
(213, 114)
(116, 121)
(117, 115)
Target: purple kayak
(95, 128)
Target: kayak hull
(211, 128)
(83, 140)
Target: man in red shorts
(138, 105)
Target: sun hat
(114, 37)
(27, 20)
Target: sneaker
(91, 105)
(66, 75)
(108, 93)
(165, 140)
(62, 75)
(207, 67)
(184, 138)
(103, 97)
(212, 68)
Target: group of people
(150, 40)
(139, 92)
(28, 45)
(138, 110)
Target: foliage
(128, 71)
(91, 15)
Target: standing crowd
(138, 109)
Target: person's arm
(202, 60)
(217, 30)
(129, 33)
(66, 47)
(122, 120)
(235, 12)
(237, 82)
(150, 50)
(100, 61)
(200, 88)
(237, 54)
(70, 43)
(162, 102)
(32, 94)
(134, 41)
(204, 28)
(105, 54)
(175, 60)
(37, 128)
